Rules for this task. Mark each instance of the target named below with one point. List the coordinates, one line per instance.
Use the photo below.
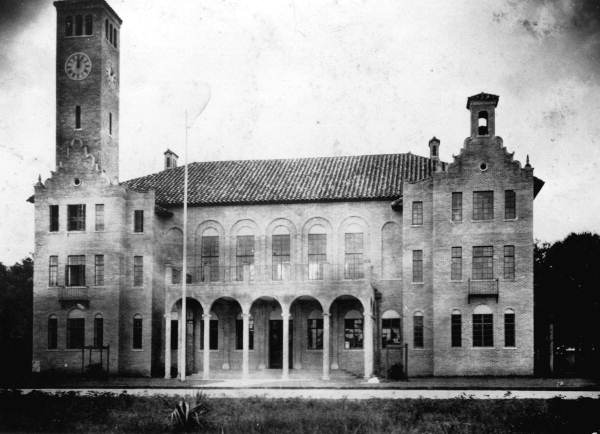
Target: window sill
(74, 286)
(417, 226)
(137, 287)
(76, 231)
(483, 348)
(137, 350)
(457, 281)
(482, 221)
(137, 233)
(510, 348)
(211, 351)
(80, 36)
(99, 286)
(418, 348)
(53, 350)
(99, 231)
(240, 350)
(418, 283)
(353, 349)
(456, 221)
(314, 350)
(511, 220)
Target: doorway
(276, 344)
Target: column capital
(286, 315)
(326, 314)
(245, 315)
(206, 316)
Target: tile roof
(351, 178)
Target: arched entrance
(192, 323)
(308, 332)
(271, 323)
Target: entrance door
(276, 344)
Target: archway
(193, 320)
(273, 327)
(307, 332)
(223, 325)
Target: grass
(109, 413)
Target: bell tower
(87, 82)
(483, 119)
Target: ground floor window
(456, 329)
(509, 328)
(239, 334)
(75, 329)
(98, 331)
(390, 328)
(213, 332)
(353, 330)
(52, 332)
(137, 332)
(483, 327)
(314, 329)
(418, 341)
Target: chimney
(170, 159)
(434, 153)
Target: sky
(320, 78)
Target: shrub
(184, 418)
(396, 372)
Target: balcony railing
(275, 273)
(483, 288)
(73, 293)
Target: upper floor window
(75, 272)
(53, 218)
(390, 328)
(281, 253)
(138, 270)
(483, 205)
(417, 266)
(137, 332)
(99, 270)
(52, 332)
(483, 327)
(53, 271)
(483, 263)
(75, 329)
(417, 213)
(76, 217)
(110, 124)
(239, 333)
(353, 255)
(317, 252)
(510, 205)
(456, 265)
(244, 255)
(353, 330)
(509, 262)
(69, 26)
(457, 206)
(509, 328)
(77, 117)
(106, 29)
(115, 37)
(78, 25)
(456, 328)
(418, 338)
(98, 331)
(209, 252)
(138, 220)
(88, 24)
(110, 33)
(99, 223)
(314, 329)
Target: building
(338, 263)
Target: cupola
(482, 107)
(170, 159)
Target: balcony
(483, 288)
(73, 293)
(283, 272)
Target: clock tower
(87, 83)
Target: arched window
(353, 329)
(317, 252)
(390, 328)
(110, 33)
(418, 339)
(52, 332)
(456, 328)
(353, 252)
(482, 123)
(88, 24)
(213, 332)
(483, 327)
(137, 332)
(75, 329)
(98, 330)
(106, 29)
(281, 253)
(509, 328)
(244, 254)
(239, 332)
(314, 329)
(78, 25)
(69, 26)
(209, 255)
(115, 37)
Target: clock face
(78, 66)
(111, 75)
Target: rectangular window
(483, 263)
(390, 331)
(509, 262)
(213, 332)
(317, 255)
(53, 271)
(137, 333)
(456, 330)
(115, 37)
(353, 255)
(457, 207)
(244, 256)
(99, 270)
(76, 217)
(456, 265)
(69, 26)
(77, 117)
(281, 257)
(52, 333)
(510, 205)
(75, 333)
(75, 272)
(110, 123)
(106, 29)
(483, 330)
(98, 332)
(138, 270)
(353, 333)
(417, 213)
(99, 224)
(314, 329)
(88, 24)
(418, 341)
(210, 258)
(53, 218)
(417, 266)
(138, 220)
(78, 25)
(174, 334)
(509, 329)
(483, 205)
(239, 334)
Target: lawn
(107, 413)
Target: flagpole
(183, 321)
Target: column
(285, 363)
(245, 344)
(325, 346)
(206, 350)
(368, 340)
(181, 365)
(167, 345)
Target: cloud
(15, 13)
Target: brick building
(335, 263)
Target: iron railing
(484, 288)
(73, 293)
